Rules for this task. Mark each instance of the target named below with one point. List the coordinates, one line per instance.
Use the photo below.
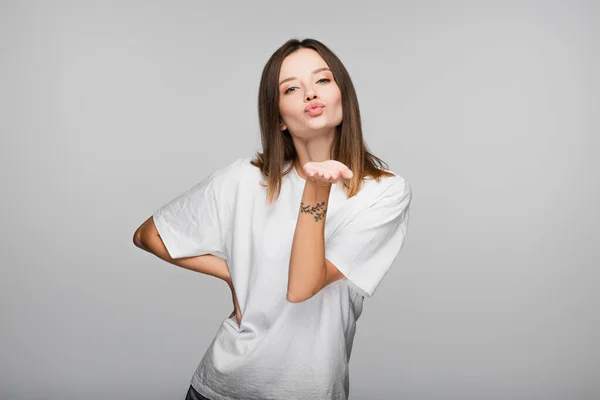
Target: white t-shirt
(284, 350)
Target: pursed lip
(313, 104)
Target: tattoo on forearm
(317, 211)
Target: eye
(293, 87)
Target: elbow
(292, 298)
(137, 238)
(298, 294)
(140, 235)
(299, 297)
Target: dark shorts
(192, 394)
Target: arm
(309, 271)
(147, 238)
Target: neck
(315, 149)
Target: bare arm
(309, 271)
(146, 237)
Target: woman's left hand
(325, 172)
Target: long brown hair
(348, 146)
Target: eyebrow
(314, 72)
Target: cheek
(288, 108)
(338, 106)
(336, 98)
(334, 95)
(338, 95)
(283, 108)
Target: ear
(282, 127)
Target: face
(311, 81)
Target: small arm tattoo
(317, 211)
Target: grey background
(488, 109)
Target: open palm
(329, 171)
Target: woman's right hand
(236, 307)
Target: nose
(311, 95)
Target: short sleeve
(189, 224)
(365, 248)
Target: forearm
(207, 264)
(307, 260)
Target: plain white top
(284, 350)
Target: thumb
(347, 173)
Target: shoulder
(399, 186)
(231, 170)
(230, 175)
(396, 187)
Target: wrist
(318, 185)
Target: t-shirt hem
(212, 395)
(173, 242)
(166, 234)
(339, 264)
(208, 392)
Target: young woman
(301, 233)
